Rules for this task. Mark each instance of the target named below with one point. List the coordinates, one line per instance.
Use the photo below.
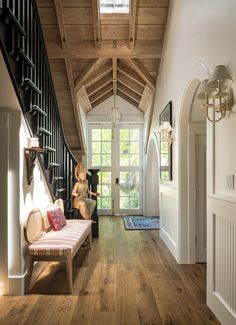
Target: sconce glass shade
(203, 92)
(220, 76)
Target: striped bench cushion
(63, 242)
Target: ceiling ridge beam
(114, 75)
(143, 72)
(96, 23)
(87, 72)
(61, 22)
(132, 23)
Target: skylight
(114, 6)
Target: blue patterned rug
(141, 223)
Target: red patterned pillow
(56, 218)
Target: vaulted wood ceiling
(93, 56)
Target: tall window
(114, 6)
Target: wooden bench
(49, 245)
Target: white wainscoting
(222, 259)
(169, 218)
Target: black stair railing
(23, 47)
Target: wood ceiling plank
(87, 72)
(151, 65)
(128, 92)
(153, 3)
(76, 3)
(132, 23)
(99, 84)
(78, 16)
(51, 33)
(96, 23)
(74, 104)
(114, 75)
(143, 72)
(101, 93)
(130, 83)
(98, 74)
(150, 32)
(57, 65)
(61, 22)
(47, 15)
(80, 32)
(127, 71)
(102, 99)
(128, 99)
(152, 15)
(142, 50)
(111, 32)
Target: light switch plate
(229, 182)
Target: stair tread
(50, 149)
(20, 51)
(29, 83)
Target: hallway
(129, 277)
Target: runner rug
(141, 223)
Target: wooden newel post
(94, 183)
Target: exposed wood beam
(86, 73)
(99, 84)
(61, 22)
(143, 72)
(125, 70)
(149, 123)
(130, 83)
(100, 93)
(74, 104)
(132, 23)
(96, 23)
(114, 75)
(129, 93)
(102, 99)
(146, 99)
(128, 99)
(83, 99)
(149, 51)
(99, 74)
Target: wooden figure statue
(80, 193)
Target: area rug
(141, 223)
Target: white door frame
(193, 130)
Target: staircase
(24, 51)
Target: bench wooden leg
(69, 272)
(29, 275)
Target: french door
(117, 153)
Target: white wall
(17, 198)
(101, 113)
(200, 35)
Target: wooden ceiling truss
(101, 55)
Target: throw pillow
(56, 218)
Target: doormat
(141, 223)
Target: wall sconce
(30, 156)
(217, 93)
(166, 132)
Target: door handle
(117, 180)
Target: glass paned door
(118, 155)
(129, 170)
(100, 156)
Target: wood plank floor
(129, 277)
